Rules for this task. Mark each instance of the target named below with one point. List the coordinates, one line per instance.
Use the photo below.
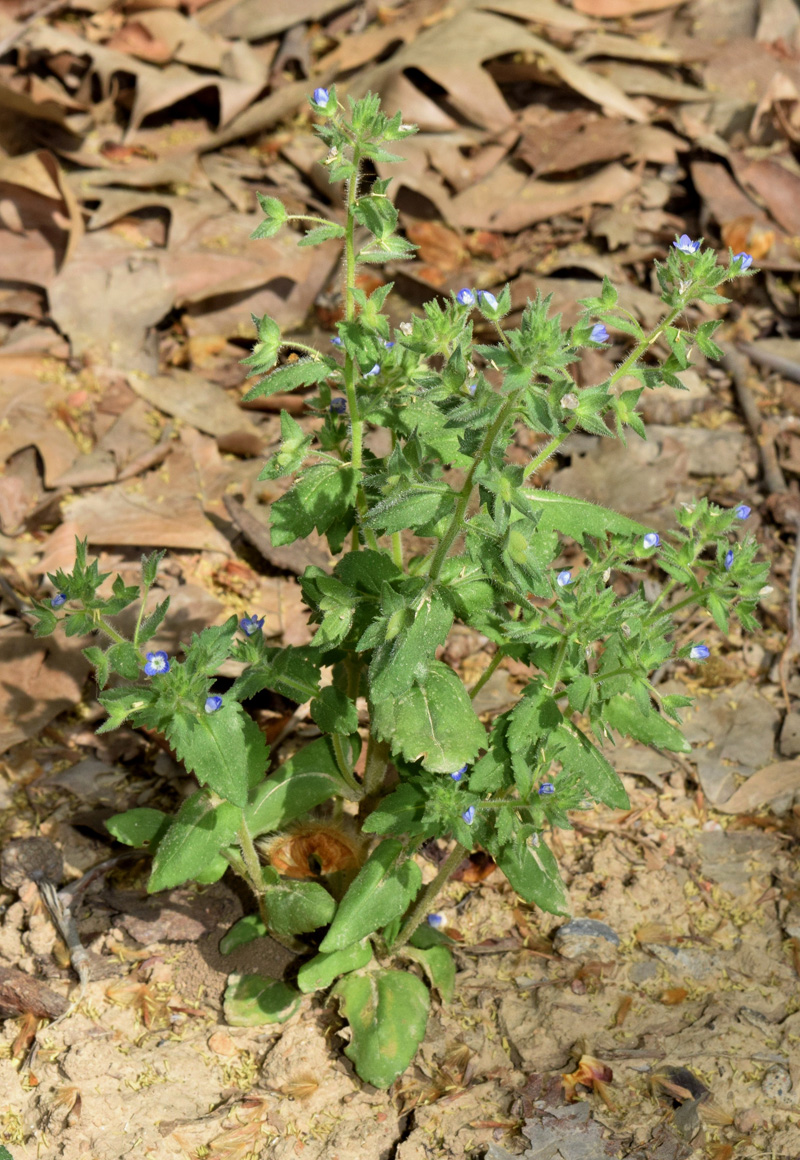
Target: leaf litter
(558, 144)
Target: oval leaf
(320, 972)
(380, 892)
(388, 1012)
(252, 1000)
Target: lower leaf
(388, 1013)
(253, 1000)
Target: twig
(773, 362)
(737, 368)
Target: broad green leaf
(388, 1013)
(380, 892)
(627, 718)
(322, 495)
(577, 517)
(212, 871)
(195, 836)
(411, 508)
(244, 931)
(125, 660)
(433, 722)
(253, 1000)
(142, 827)
(306, 780)
(406, 656)
(224, 750)
(320, 972)
(121, 703)
(427, 936)
(149, 626)
(399, 813)
(99, 661)
(296, 907)
(334, 712)
(284, 670)
(438, 964)
(534, 875)
(600, 779)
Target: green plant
(380, 620)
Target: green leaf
(121, 703)
(306, 780)
(99, 661)
(225, 750)
(276, 215)
(380, 892)
(304, 372)
(599, 778)
(296, 907)
(322, 495)
(124, 659)
(427, 936)
(293, 450)
(322, 234)
(195, 836)
(399, 813)
(438, 964)
(46, 620)
(78, 623)
(287, 671)
(213, 871)
(401, 660)
(245, 931)
(580, 692)
(142, 827)
(150, 623)
(388, 1013)
(412, 508)
(319, 972)
(534, 875)
(253, 1000)
(718, 610)
(150, 565)
(627, 718)
(433, 722)
(576, 517)
(334, 712)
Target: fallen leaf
(771, 782)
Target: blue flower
(686, 245)
(742, 511)
(436, 921)
(157, 662)
(563, 579)
(212, 704)
(700, 652)
(729, 560)
(320, 96)
(388, 344)
(599, 333)
(651, 540)
(336, 340)
(57, 601)
(487, 299)
(376, 370)
(745, 259)
(459, 773)
(472, 388)
(465, 297)
(469, 815)
(547, 787)
(339, 406)
(534, 840)
(251, 624)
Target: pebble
(777, 1083)
(697, 964)
(585, 938)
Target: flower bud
(742, 511)
(58, 600)
(700, 652)
(599, 333)
(546, 788)
(465, 297)
(212, 704)
(487, 300)
(563, 579)
(321, 96)
(651, 540)
(469, 815)
(570, 401)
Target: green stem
(552, 679)
(253, 867)
(376, 765)
(337, 740)
(495, 661)
(423, 904)
(105, 627)
(550, 448)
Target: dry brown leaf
(38, 680)
(771, 782)
(775, 184)
(611, 8)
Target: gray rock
(585, 938)
(697, 964)
(790, 735)
(641, 972)
(777, 1083)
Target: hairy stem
(425, 901)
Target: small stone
(585, 938)
(777, 1083)
(641, 972)
(697, 964)
(222, 1044)
(30, 859)
(790, 735)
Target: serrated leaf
(320, 972)
(99, 661)
(334, 712)
(306, 780)
(433, 722)
(397, 814)
(533, 873)
(304, 372)
(577, 517)
(599, 777)
(380, 892)
(225, 750)
(388, 1013)
(406, 656)
(624, 715)
(411, 508)
(322, 495)
(322, 234)
(124, 659)
(255, 1000)
(150, 623)
(195, 836)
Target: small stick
(773, 362)
(737, 368)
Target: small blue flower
(563, 579)
(465, 297)
(388, 344)
(745, 259)
(157, 662)
(251, 624)
(729, 560)
(376, 370)
(742, 511)
(436, 921)
(700, 652)
(472, 388)
(547, 787)
(212, 704)
(339, 406)
(487, 299)
(599, 333)
(459, 773)
(57, 601)
(686, 245)
(651, 540)
(320, 96)
(336, 340)
(469, 815)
